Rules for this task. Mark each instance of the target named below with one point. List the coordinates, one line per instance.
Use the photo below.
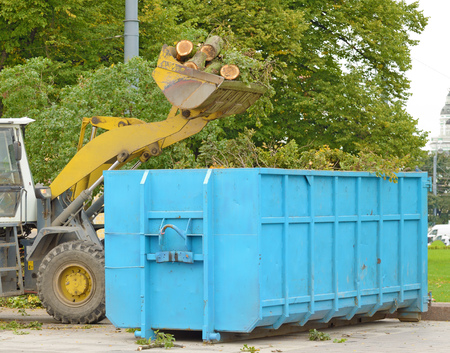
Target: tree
(59, 90)
(338, 71)
(342, 69)
(158, 25)
(29, 90)
(440, 201)
(80, 32)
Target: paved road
(387, 335)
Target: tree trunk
(229, 72)
(212, 47)
(3, 58)
(197, 62)
(214, 67)
(184, 49)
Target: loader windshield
(10, 177)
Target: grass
(439, 272)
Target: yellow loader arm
(197, 98)
(105, 123)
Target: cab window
(10, 176)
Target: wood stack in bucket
(206, 58)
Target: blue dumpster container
(231, 250)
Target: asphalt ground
(388, 335)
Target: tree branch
(345, 40)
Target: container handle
(180, 232)
(175, 228)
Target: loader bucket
(190, 89)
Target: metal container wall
(229, 250)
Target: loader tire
(71, 283)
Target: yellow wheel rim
(74, 284)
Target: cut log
(212, 47)
(191, 65)
(214, 67)
(197, 62)
(184, 49)
(229, 72)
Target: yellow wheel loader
(63, 257)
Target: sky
(430, 74)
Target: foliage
(30, 301)
(439, 274)
(352, 85)
(28, 89)
(342, 340)
(158, 24)
(142, 341)
(242, 152)
(235, 153)
(341, 69)
(162, 340)
(17, 326)
(315, 335)
(84, 33)
(58, 111)
(253, 69)
(366, 160)
(250, 349)
(337, 69)
(440, 201)
(177, 156)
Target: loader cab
(17, 199)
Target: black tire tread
(97, 253)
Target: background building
(441, 143)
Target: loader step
(7, 245)
(11, 274)
(12, 294)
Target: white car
(439, 232)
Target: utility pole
(131, 33)
(439, 149)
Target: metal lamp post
(131, 30)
